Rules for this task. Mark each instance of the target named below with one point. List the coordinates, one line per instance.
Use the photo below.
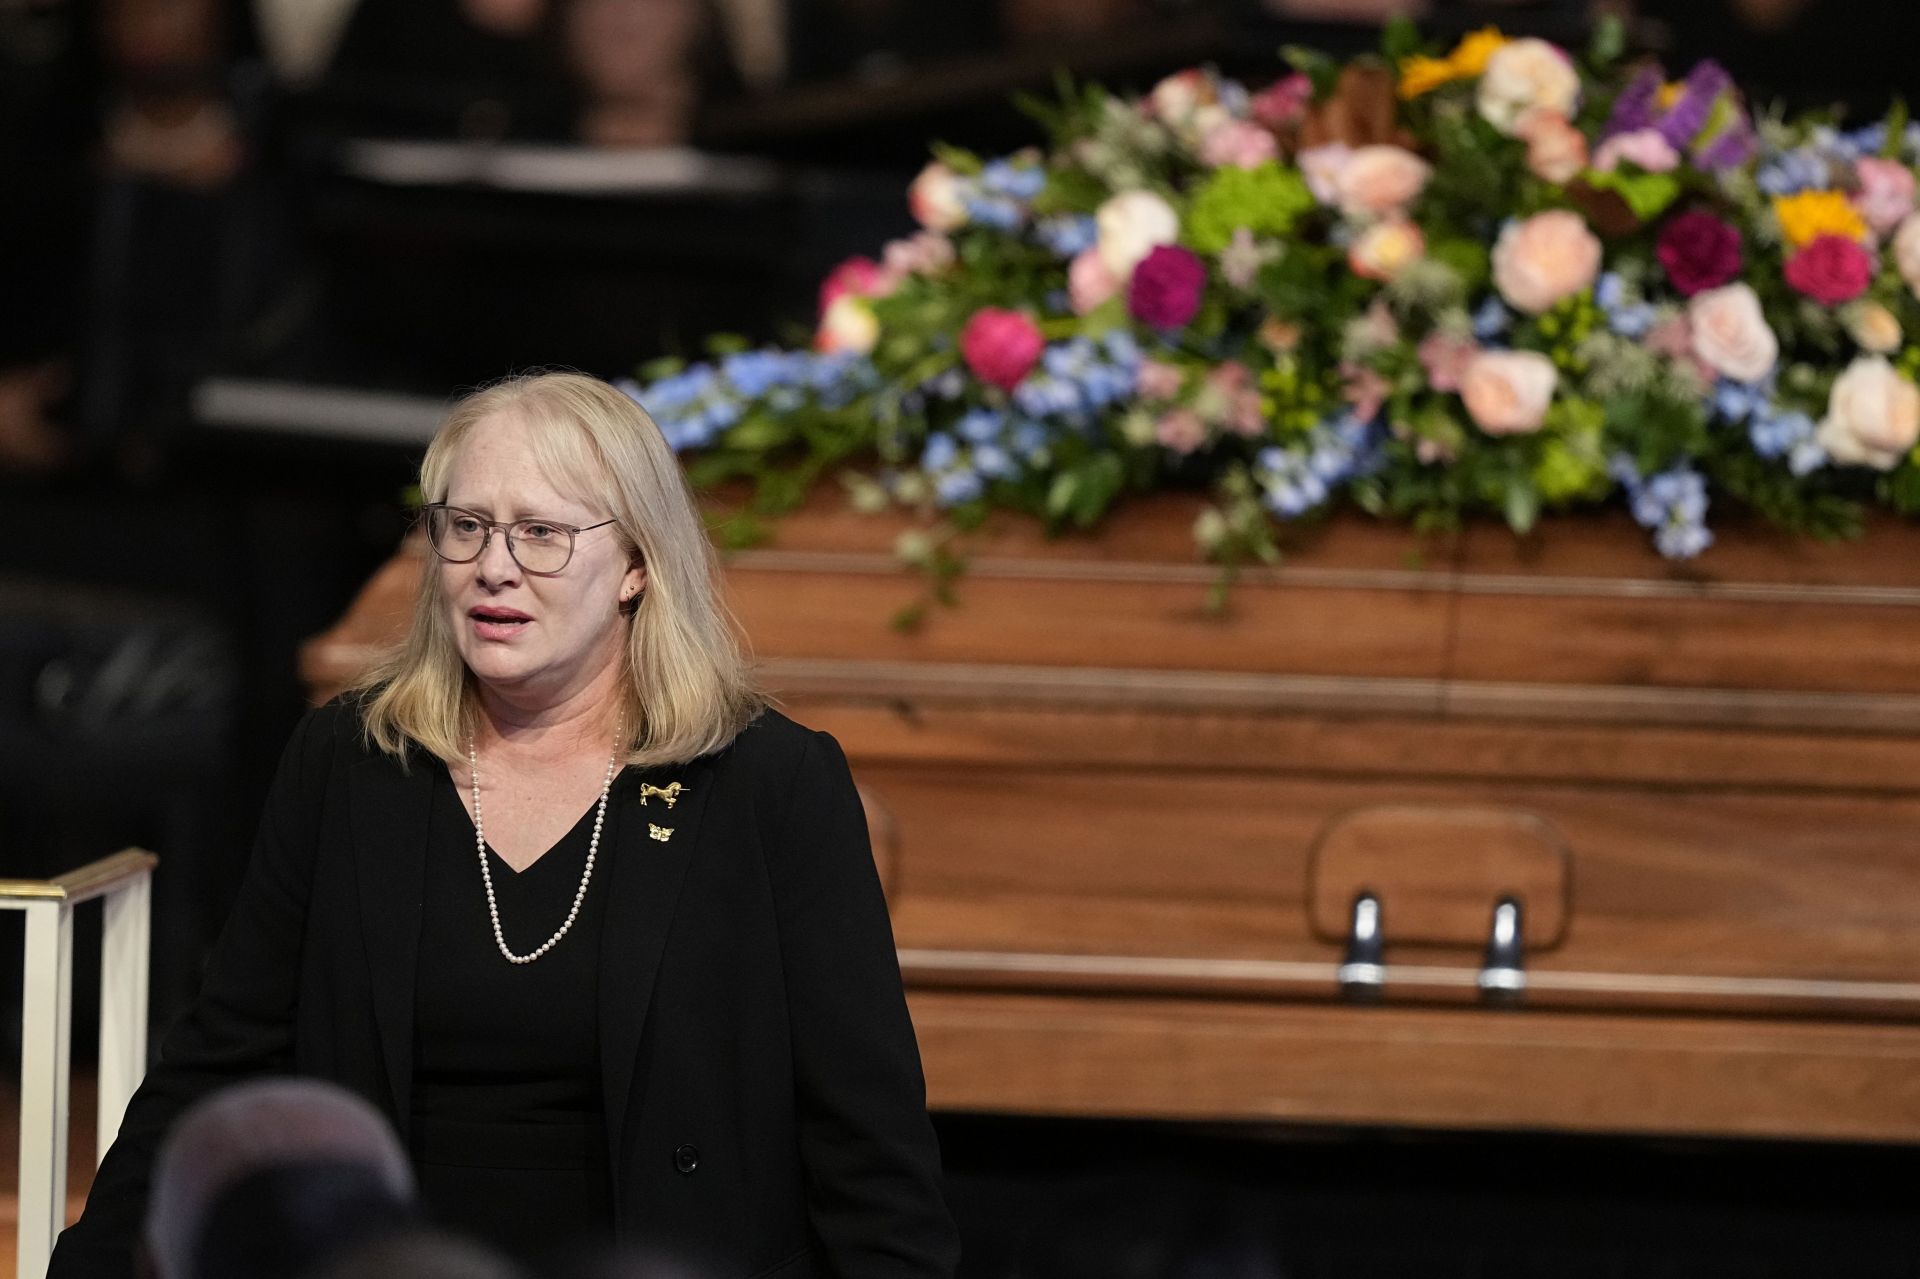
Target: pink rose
(1508, 392)
(1364, 390)
(1445, 358)
(1284, 102)
(1157, 380)
(1237, 144)
(1379, 180)
(1906, 252)
(1001, 346)
(1386, 248)
(1645, 149)
(1166, 287)
(1181, 430)
(1321, 166)
(1673, 338)
(1089, 282)
(859, 277)
(1230, 398)
(1556, 151)
(1730, 334)
(1544, 260)
(934, 199)
(1832, 269)
(1873, 416)
(1699, 251)
(922, 253)
(1885, 196)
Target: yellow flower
(1807, 216)
(1470, 56)
(1670, 93)
(1421, 74)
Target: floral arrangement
(1501, 278)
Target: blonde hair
(688, 691)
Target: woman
(599, 931)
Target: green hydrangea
(1266, 200)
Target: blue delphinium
(1067, 235)
(691, 407)
(1673, 503)
(998, 212)
(1079, 377)
(1626, 314)
(1491, 321)
(1806, 168)
(1016, 179)
(1296, 478)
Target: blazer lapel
(644, 878)
(389, 813)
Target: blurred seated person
(613, 72)
(266, 1179)
(419, 1254)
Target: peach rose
(1386, 248)
(1545, 259)
(1874, 327)
(1377, 181)
(1507, 392)
(1873, 416)
(1131, 225)
(934, 199)
(1906, 251)
(847, 325)
(1730, 333)
(1556, 151)
(1089, 283)
(1525, 74)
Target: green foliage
(1266, 200)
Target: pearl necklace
(586, 874)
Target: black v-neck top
(507, 1056)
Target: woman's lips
(498, 623)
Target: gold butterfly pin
(661, 833)
(670, 792)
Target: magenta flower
(1831, 270)
(1166, 287)
(1699, 251)
(1001, 346)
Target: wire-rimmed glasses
(460, 536)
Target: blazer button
(686, 1159)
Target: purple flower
(1636, 107)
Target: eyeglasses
(460, 536)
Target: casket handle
(1503, 975)
(1363, 973)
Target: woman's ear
(633, 587)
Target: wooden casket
(1465, 833)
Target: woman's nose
(496, 564)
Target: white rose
(848, 325)
(1508, 392)
(1131, 225)
(1730, 334)
(1906, 251)
(1873, 416)
(935, 200)
(1522, 75)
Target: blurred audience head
(271, 1177)
(419, 1254)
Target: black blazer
(750, 1007)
